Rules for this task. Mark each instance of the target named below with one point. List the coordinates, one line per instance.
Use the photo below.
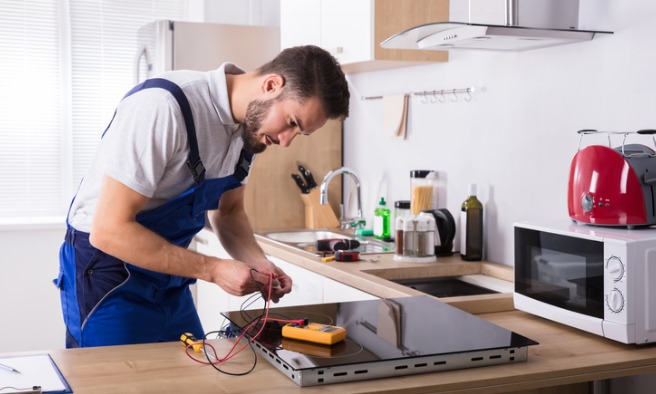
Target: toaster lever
(649, 178)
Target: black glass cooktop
(386, 337)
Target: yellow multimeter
(313, 332)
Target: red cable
(230, 353)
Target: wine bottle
(471, 227)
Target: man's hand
(274, 284)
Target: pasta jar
(423, 190)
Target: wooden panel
(272, 199)
(394, 16)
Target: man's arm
(116, 232)
(232, 227)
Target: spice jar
(421, 235)
(398, 237)
(431, 233)
(409, 240)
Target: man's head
(309, 88)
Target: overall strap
(243, 165)
(194, 162)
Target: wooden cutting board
(272, 199)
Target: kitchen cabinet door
(307, 286)
(346, 29)
(211, 300)
(353, 29)
(334, 291)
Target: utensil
(307, 176)
(301, 185)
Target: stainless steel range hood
(498, 25)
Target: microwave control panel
(615, 282)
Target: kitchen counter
(375, 277)
(565, 356)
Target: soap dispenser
(382, 220)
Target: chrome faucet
(345, 223)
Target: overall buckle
(197, 170)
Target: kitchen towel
(395, 111)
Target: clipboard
(38, 374)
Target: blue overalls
(106, 301)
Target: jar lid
(403, 204)
(422, 223)
(409, 224)
(419, 173)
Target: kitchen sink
(444, 286)
(304, 236)
(303, 240)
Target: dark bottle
(471, 227)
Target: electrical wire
(262, 318)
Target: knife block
(316, 214)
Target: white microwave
(597, 279)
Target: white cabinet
(342, 27)
(334, 291)
(308, 287)
(352, 29)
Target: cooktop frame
(385, 348)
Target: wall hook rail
(435, 96)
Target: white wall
(30, 311)
(517, 137)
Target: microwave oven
(597, 279)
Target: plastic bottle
(382, 220)
(471, 227)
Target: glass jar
(401, 209)
(409, 240)
(423, 190)
(431, 233)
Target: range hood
(498, 25)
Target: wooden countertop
(565, 360)
(374, 277)
(565, 356)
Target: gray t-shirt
(146, 147)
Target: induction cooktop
(385, 337)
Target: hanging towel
(395, 111)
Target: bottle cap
(422, 223)
(409, 224)
(419, 173)
(472, 189)
(429, 219)
(382, 201)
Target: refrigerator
(166, 45)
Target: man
(179, 147)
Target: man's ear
(273, 83)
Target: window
(66, 64)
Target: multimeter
(313, 332)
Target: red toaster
(613, 186)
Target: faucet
(345, 223)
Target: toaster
(613, 186)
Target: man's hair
(310, 71)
